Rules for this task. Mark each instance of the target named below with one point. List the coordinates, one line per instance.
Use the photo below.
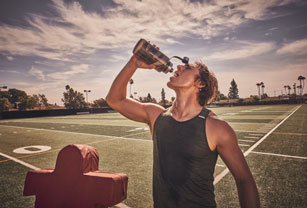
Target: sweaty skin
(220, 135)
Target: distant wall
(55, 112)
(263, 102)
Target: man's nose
(179, 67)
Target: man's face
(184, 76)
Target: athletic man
(187, 139)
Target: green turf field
(273, 139)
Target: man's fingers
(154, 45)
(151, 66)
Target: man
(187, 139)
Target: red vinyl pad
(76, 182)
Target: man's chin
(170, 84)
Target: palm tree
(131, 82)
(286, 87)
(258, 86)
(262, 87)
(289, 88)
(301, 78)
(299, 88)
(294, 88)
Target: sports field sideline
(273, 139)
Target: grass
(281, 181)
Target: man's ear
(199, 84)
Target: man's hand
(138, 63)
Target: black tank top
(183, 163)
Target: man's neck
(185, 107)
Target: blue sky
(45, 45)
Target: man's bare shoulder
(153, 107)
(219, 129)
(153, 110)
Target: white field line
(251, 137)
(224, 172)
(68, 123)
(247, 123)
(262, 133)
(280, 155)
(244, 145)
(245, 140)
(19, 161)
(255, 134)
(85, 134)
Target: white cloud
(242, 50)
(123, 25)
(298, 47)
(10, 71)
(116, 58)
(172, 41)
(10, 58)
(76, 69)
(257, 9)
(21, 84)
(37, 73)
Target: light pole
(86, 93)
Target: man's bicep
(135, 110)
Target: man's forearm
(118, 90)
(248, 193)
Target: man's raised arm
(117, 96)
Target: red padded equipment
(76, 182)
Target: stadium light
(86, 93)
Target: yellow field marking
(290, 133)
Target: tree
(33, 101)
(294, 88)
(299, 89)
(233, 90)
(23, 103)
(16, 96)
(100, 103)
(286, 87)
(301, 78)
(149, 98)
(220, 96)
(254, 98)
(289, 88)
(4, 94)
(163, 101)
(73, 99)
(264, 95)
(4, 104)
(258, 86)
(262, 87)
(43, 101)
